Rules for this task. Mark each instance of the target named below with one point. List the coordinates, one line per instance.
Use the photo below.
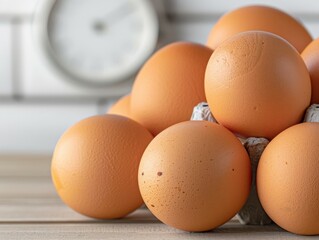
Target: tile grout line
(16, 57)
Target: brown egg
(311, 57)
(259, 18)
(169, 85)
(95, 164)
(195, 176)
(121, 107)
(288, 179)
(257, 84)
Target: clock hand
(119, 13)
(113, 17)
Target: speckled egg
(195, 176)
(288, 179)
(257, 85)
(95, 164)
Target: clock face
(100, 41)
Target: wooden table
(30, 209)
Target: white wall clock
(97, 41)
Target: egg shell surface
(121, 107)
(288, 180)
(311, 57)
(263, 18)
(257, 85)
(169, 85)
(195, 176)
(95, 164)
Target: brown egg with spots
(95, 164)
(262, 18)
(288, 179)
(195, 176)
(169, 85)
(121, 107)
(257, 85)
(311, 57)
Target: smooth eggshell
(195, 176)
(169, 85)
(311, 57)
(257, 85)
(121, 107)
(95, 163)
(288, 180)
(259, 18)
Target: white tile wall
(36, 127)
(193, 31)
(33, 119)
(192, 20)
(18, 8)
(221, 6)
(5, 59)
(313, 27)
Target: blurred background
(53, 72)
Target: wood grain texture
(129, 231)
(25, 166)
(30, 209)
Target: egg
(121, 107)
(195, 176)
(259, 18)
(311, 58)
(288, 180)
(257, 85)
(169, 85)
(95, 164)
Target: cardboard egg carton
(252, 212)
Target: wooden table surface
(30, 209)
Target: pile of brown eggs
(258, 72)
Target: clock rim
(40, 22)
